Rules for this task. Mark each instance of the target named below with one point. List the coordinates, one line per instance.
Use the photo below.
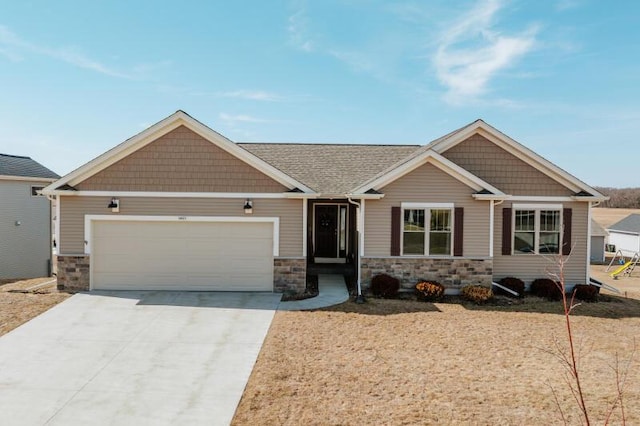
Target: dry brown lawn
(25, 299)
(608, 216)
(407, 362)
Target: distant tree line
(621, 198)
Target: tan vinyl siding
(502, 169)
(528, 267)
(73, 210)
(426, 184)
(181, 161)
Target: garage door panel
(233, 256)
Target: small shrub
(429, 291)
(544, 287)
(511, 283)
(477, 293)
(384, 285)
(585, 292)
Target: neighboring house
(179, 206)
(598, 241)
(25, 218)
(625, 235)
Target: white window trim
(427, 207)
(537, 208)
(37, 186)
(90, 218)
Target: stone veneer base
(453, 273)
(73, 272)
(289, 275)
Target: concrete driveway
(134, 358)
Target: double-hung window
(536, 229)
(427, 229)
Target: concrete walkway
(332, 291)
(134, 358)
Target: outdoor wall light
(114, 205)
(248, 207)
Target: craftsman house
(179, 206)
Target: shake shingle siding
(502, 169)
(181, 161)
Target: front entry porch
(331, 232)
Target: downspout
(359, 297)
(589, 216)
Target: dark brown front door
(326, 227)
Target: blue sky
(560, 76)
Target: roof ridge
(328, 144)
(16, 156)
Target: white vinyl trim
(253, 195)
(427, 205)
(88, 219)
(361, 224)
(537, 206)
(58, 221)
(305, 219)
(492, 215)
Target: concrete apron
(139, 358)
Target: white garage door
(220, 256)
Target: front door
(326, 230)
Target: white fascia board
(491, 197)
(163, 127)
(364, 196)
(436, 160)
(27, 178)
(88, 219)
(537, 206)
(427, 205)
(515, 148)
(124, 194)
(541, 199)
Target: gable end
(181, 161)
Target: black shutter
(458, 231)
(395, 231)
(506, 231)
(567, 215)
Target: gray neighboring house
(25, 218)
(598, 240)
(625, 235)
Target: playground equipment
(625, 268)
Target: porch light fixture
(114, 205)
(248, 207)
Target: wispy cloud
(471, 52)
(253, 95)
(298, 24)
(232, 119)
(14, 48)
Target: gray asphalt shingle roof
(630, 223)
(15, 165)
(329, 168)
